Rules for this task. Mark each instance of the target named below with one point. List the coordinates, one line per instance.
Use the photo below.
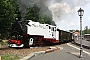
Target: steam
(59, 10)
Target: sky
(64, 12)
(66, 16)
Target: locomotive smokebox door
(30, 41)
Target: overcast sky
(65, 13)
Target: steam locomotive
(28, 33)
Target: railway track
(84, 45)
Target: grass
(9, 57)
(3, 42)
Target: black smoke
(42, 4)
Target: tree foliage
(33, 13)
(7, 10)
(86, 30)
(46, 19)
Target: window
(49, 27)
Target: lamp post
(80, 13)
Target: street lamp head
(80, 12)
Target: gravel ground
(21, 52)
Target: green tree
(47, 20)
(7, 10)
(86, 30)
(72, 31)
(33, 13)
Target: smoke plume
(55, 8)
(43, 4)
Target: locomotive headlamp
(80, 13)
(16, 19)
